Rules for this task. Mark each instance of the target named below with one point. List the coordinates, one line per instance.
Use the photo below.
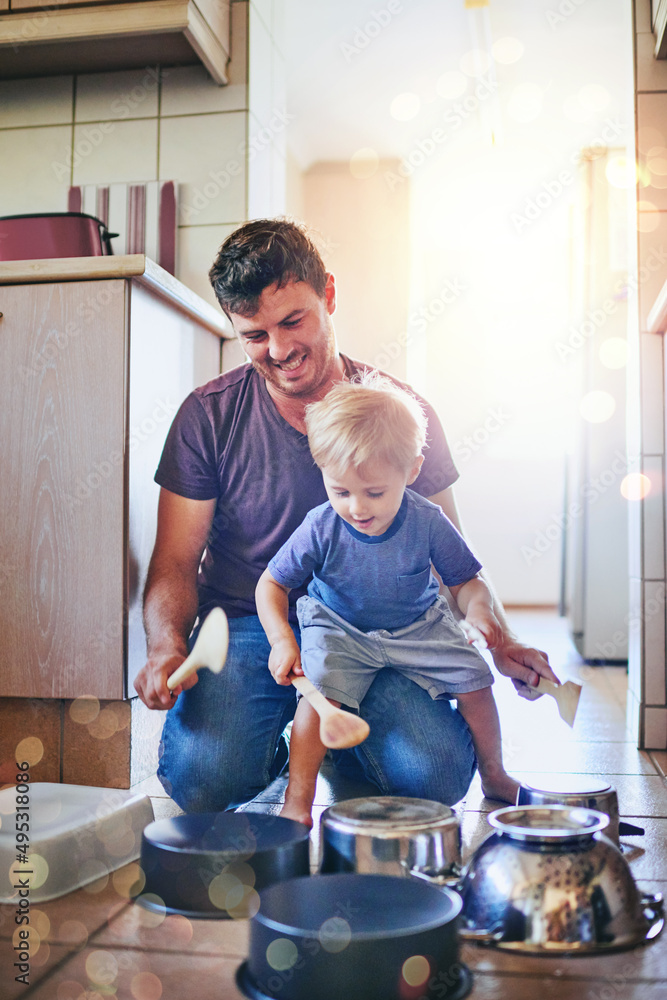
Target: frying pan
(213, 864)
(357, 937)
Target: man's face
(290, 339)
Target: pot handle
(480, 936)
(654, 911)
(448, 877)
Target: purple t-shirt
(229, 442)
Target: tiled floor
(96, 943)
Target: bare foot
(298, 809)
(500, 786)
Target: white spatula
(338, 729)
(567, 697)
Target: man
(237, 478)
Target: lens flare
(635, 486)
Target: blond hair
(366, 420)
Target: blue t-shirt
(376, 581)
(229, 442)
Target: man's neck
(292, 408)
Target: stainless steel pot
(389, 835)
(548, 881)
(579, 790)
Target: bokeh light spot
(416, 970)
(282, 954)
(507, 50)
(73, 932)
(248, 906)
(129, 881)
(153, 914)
(225, 891)
(476, 62)
(525, 103)
(405, 107)
(621, 172)
(95, 874)
(451, 85)
(335, 934)
(594, 97)
(364, 163)
(635, 486)
(69, 989)
(31, 749)
(597, 406)
(105, 724)
(84, 709)
(101, 968)
(614, 352)
(648, 137)
(146, 986)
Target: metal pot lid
(224, 833)
(570, 784)
(355, 907)
(389, 813)
(548, 823)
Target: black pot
(357, 937)
(213, 864)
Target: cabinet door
(62, 385)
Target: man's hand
(285, 659)
(151, 681)
(524, 665)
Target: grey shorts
(342, 661)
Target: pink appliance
(53, 234)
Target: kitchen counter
(137, 266)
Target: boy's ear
(414, 472)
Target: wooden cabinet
(89, 36)
(91, 375)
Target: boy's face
(368, 498)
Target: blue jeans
(219, 742)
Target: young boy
(373, 600)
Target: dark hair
(261, 253)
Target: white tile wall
(652, 267)
(197, 247)
(35, 169)
(655, 728)
(260, 75)
(654, 643)
(652, 402)
(651, 115)
(114, 152)
(117, 96)
(207, 155)
(635, 636)
(651, 72)
(43, 101)
(653, 521)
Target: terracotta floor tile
(577, 758)
(90, 909)
(648, 861)
(41, 966)
(139, 928)
(644, 797)
(541, 987)
(127, 974)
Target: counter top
(136, 266)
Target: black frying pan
(213, 864)
(354, 937)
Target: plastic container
(76, 834)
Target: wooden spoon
(210, 649)
(338, 729)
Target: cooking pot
(548, 881)
(213, 864)
(388, 835)
(579, 790)
(357, 937)
(53, 234)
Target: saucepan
(389, 835)
(548, 881)
(357, 937)
(214, 864)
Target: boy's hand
(486, 623)
(285, 659)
